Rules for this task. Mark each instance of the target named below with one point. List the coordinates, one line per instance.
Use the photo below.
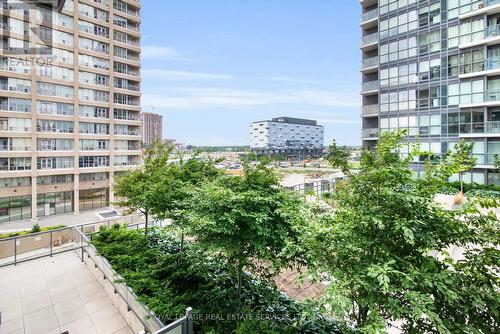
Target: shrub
(472, 189)
(168, 281)
(40, 229)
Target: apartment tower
(152, 128)
(433, 67)
(69, 103)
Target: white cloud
(173, 75)
(339, 121)
(293, 80)
(205, 98)
(159, 52)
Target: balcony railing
(369, 39)
(369, 15)
(77, 239)
(369, 62)
(127, 148)
(370, 109)
(369, 86)
(479, 128)
(492, 95)
(127, 118)
(492, 31)
(126, 163)
(370, 133)
(127, 133)
(128, 42)
(134, 88)
(491, 2)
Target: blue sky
(211, 67)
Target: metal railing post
(50, 243)
(81, 242)
(189, 320)
(15, 251)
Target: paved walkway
(54, 295)
(68, 219)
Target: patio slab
(56, 294)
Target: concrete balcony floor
(56, 294)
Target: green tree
(249, 218)
(176, 183)
(384, 251)
(463, 152)
(138, 190)
(338, 157)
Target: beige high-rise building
(69, 103)
(152, 127)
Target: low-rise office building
(287, 136)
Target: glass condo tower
(433, 67)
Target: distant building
(152, 127)
(177, 146)
(287, 136)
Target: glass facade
(15, 208)
(438, 76)
(54, 203)
(94, 199)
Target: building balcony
(490, 98)
(491, 66)
(487, 7)
(370, 133)
(126, 163)
(491, 36)
(127, 148)
(10, 148)
(369, 41)
(369, 87)
(370, 110)
(369, 19)
(367, 3)
(481, 129)
(134, 88)
(486, 160)
(369, 64)
(127, 133)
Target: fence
(316, 188)
(33, 246)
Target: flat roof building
(152, 128)
(69, 103)
(433, 68)
(287, 136)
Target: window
(15, 208)
(93, 198)
(429, 42)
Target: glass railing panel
(371, 38)
(32, 246)
(7, 251)
(62, 240)
(369, 15)
(491, 2)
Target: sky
(211, 67)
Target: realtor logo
(37, 37)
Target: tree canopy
(385, 249)
(248, 218)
